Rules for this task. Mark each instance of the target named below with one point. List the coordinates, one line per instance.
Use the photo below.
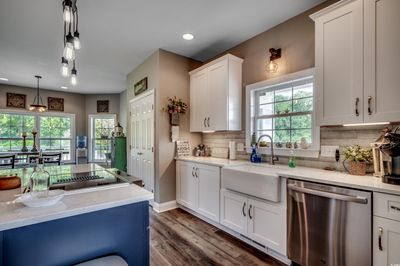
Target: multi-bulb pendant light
(71, 42)
(37, 104)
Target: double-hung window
(101, 127)
(55, 132)
(284, 109)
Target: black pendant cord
(76, 20)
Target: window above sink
(283, 107)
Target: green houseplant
(358, 158)
(175, 107)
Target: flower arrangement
(358, 154)
(175, 106)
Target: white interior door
(142, 139)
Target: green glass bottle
(292, 159)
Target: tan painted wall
(167, 74)
(174, 81)
(74, 103)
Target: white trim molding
(165, 206)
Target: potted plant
(358, 158)
(175, 107)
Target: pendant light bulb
(64, 67)
(77, 41)
(74, 80)
(69, 52)
(67, 13)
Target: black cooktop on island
(84, 180)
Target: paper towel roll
(232, 150)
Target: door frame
(129, 135)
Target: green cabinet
(118, 153)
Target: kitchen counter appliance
(392, 149)
(328, 225)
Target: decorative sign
(55, 104)
(103, 106)
(183, 148)
(16, 100)
(140, 86)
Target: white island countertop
(13, 215)
(368, 182)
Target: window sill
(305, 153)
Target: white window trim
(311, 152)
(90, 134)
(37, 126)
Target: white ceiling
(118, 35)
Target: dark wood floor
(179, 238)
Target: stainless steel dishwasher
(328, 225)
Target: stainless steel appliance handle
(357, 100)
(332, 195)
(244, 206)
(369, 105)
(250, 212)
(380, 238)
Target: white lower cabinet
(197, 188)
(386, 231)
(263, 222)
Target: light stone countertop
(369, 183)
(13, 215)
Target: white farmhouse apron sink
(261, 181)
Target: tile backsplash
(338, 136)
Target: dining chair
(48, 158)
(7, 161)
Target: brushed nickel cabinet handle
(193, 171)
(369, 105)
(208, 122)
(357, 101)
(204, 122)
(244, 206)
(380, 238)
(250, 212)
(196, 172)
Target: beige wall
(174, 81)
(74, 103)
(123, 111)
(167, 74)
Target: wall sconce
(272, 67)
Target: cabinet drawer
(386, 205)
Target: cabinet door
(386, 253)
(218, 96)
(186, 184)
(339, 65)
(267, 225)
(234, 211)
(208, 186)
(199, 100)
(382, 61)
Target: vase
(174, 119)
(358, 168)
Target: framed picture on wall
(16, 100)
(55, 104)
(103, 106)
(140, 86)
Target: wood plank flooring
(179, 238)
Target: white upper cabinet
(382, 61)
(216, 95)
(357, 62)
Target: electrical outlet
(328, 151)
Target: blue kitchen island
(85, 225)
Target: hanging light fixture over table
(37, 104)
(72, 42)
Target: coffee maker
(391, 147)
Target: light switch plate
(328, 151)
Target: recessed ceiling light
(4, 79)
(63, 87)
(188, 36)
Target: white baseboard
(165, 206)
